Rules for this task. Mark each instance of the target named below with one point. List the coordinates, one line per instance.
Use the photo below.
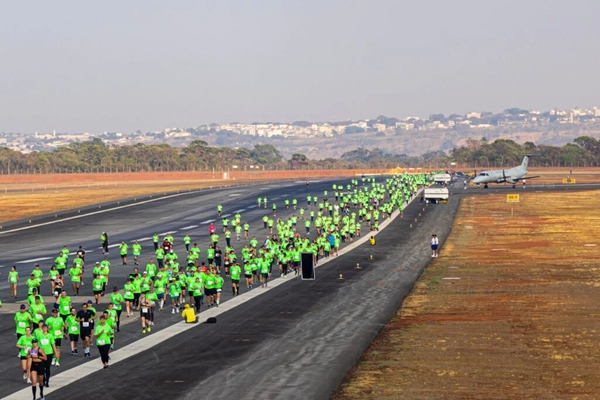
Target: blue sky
(78, 66)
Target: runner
(104, 242)
(75, 273)
(104, 334)
(155, 239)
(123, 249)
(235, 272)
(195, 289)
(24, 344)
(145, 305)
(72, 327)
(38, 312)
(13, 281)
(116, 299)
(219, 281)
(46, 342)
(53, 274)
(128, 296)
(56, 327)
(186, 241)
(37, 358)
(64, 305)
(85, 318)
(174, 292)
(136, 250)
(248, 275)
(97, 285)
(152, 297)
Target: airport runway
(297, 340)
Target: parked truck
(436, 194)
(442, 179)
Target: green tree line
(96, 156)
(584, 151)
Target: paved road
(296, 340)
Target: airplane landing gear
(485, 186)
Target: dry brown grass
(521, 322)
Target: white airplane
(512, 175)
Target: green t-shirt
(13, 277)
(128, 290)
(97, 284)
(103, 334)
(174, 289)
(46, 340)
(136, 249)
(75, 274)
(24, 341)
(116, 299)
(37, 312)
(55, 325)
(235, 272)
(22, 321)
(64, 305)
(72, 324)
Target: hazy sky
(91, 66)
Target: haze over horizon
(115, 66)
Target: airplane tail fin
(525, 162)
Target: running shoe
(24, 375)
(144, 331)
(57, 364)
(149, 329)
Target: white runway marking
(208, 221)
(252, 206)
(163, 234)
(143, 239)
(235, 194)
(239, 211)
(33, 260)
(225, 216)
(101, 211)
(185, 228)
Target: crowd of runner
(238, 255)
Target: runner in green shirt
(128, 295)
(235, 271)
(13, 281)
(116, 299)
(56, 328)
(24, 344)
(37, 311)
(23, 320)
(64, 305)
(75, 273)
(31, 283)
(72, 327)
(47, 343)
(123, 249)
(103, 333)
(186, 241)
(136, 250)
(97, 285)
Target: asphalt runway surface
(296, 340)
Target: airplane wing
(528, 177)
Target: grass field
(508, 311)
